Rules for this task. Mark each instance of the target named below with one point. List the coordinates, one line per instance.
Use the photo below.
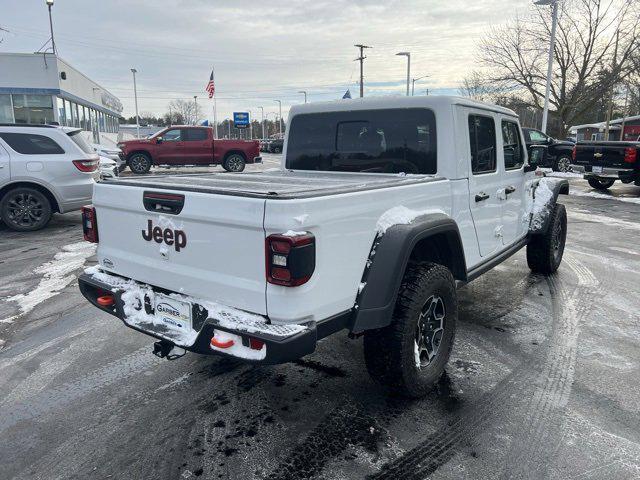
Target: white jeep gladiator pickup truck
(381, 209)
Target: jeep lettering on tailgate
(177, 238)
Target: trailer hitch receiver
(162, 349)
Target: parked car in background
(188, 145)
(108, 167)
(43, 169)
(112, 153)
(558, 156)
(275, 145)
(605, 162)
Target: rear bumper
(279, 348)
(257, 159)
(607, 172)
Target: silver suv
(43, 169)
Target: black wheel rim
(234, 163)
(138, 163)
(25, 210)
(557, 241)
(429, 331)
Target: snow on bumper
(134, 304)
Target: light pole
(408, 55)
(195, 116)
(53, 42)
(280, 113)
(250, 124)
(262, 121)
(413, 83)
(135, 96)
(305, 95)
(554, 24)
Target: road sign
(241, 119)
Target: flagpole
(215, 110)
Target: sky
(262, 50)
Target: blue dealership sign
(241, 119)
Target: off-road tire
(234, 163)
(139, 163)
(601, 183)
(562, 164)
(389, 352)
(37, 209)
(544, 251)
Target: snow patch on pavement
(579, 193)
(56, 275)
(397, 216)
(610, 221)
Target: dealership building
(43, 88)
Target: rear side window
(80, 142)
(195, 134)
(482, 137)
(512, 146)
(30, 144)
(373, 141)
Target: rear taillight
(86, 165)
(290, 259)
(574, 152)
(630, 155)
(89, 224)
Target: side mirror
(536, 157)
(158, 140)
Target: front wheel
(601, 183)
(234, 163)
(25, 209)
(562, 164)
(409, 355)
(140, 163)
(544, 252)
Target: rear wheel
(562, 164)
(25, 209)
(409, 355)
(544, 252)
(234, 163)
(139, 163)
(601, 183)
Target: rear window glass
(373, 141)
(30, 144)
(81, 142)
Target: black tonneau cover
(280, 184)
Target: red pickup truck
(188, 145)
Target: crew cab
(602, 163)
(558, 154)
(188, 145)
(382, 208)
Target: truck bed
(279, 184)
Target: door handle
(509, 190)
(480, 197)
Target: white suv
(43, 169)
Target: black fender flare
(388, 261)
(540, 223)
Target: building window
(33, 108)
(6, 110)
(61, 112)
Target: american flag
(211, 88)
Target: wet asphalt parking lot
(543, 381)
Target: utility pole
(552, 44)
(413, 84)
(53, 42)
(408, 55)
(262, 122)
(361, 60)
(195, 115)
(280, 114)
(305, 95)
(135, 96)
(607, 126)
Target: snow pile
(238, 349)
(56, 275)
(397, 216)
(133, 297)
(541, 203)
(293, 233)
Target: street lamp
(262, 121)
(413, 83)
(135, 96)
(408, 55)
(53, 42)
(305, 95)
(554, 24)
(280, 110)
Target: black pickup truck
(605, 162)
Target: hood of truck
(213, 249)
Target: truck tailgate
(602, 154)
(212, 249)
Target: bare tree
(596, 47)
(183, 112)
